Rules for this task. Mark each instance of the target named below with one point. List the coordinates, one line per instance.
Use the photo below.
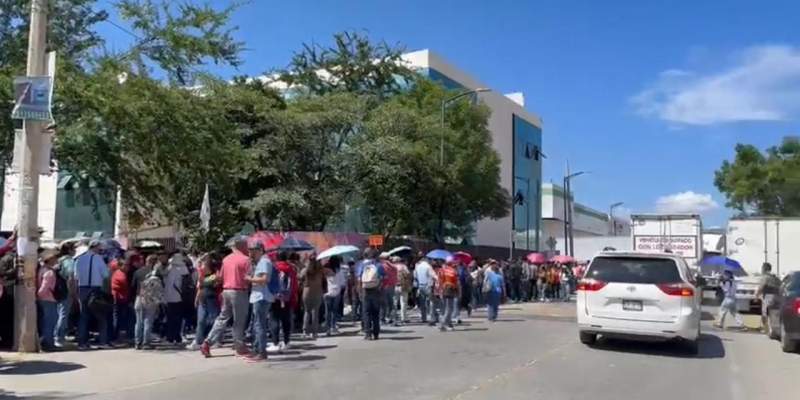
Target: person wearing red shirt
(387, 285)
(120, 291)
(235, 298)
(284, 305)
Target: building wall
(501, 124)
(47, 203)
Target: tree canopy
(765, 184)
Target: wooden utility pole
(25, 336)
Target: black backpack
(61, 290)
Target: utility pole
(571, 230)
(25, 337)
(566, 216)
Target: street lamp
(611, 217)
(568, 239)
(447, 101)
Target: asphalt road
(522, 356)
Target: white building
(517, 137)
(586, 221)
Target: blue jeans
(332, 311)
(145, 317)
(423, 296)
(435, 308)
(450, 309)
(493, 305)
(64, 308)
(260, 317)
(372, 312)
(207, 312)
(86, 316)
(49, 315)
(387, 307)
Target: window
(634, 270)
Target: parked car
(783, 315)
(639, 295)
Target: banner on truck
(685, 246)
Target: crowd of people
(262, 296)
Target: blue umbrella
(292, 244)
(723, 262)
(439, 254)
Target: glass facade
(526, 189)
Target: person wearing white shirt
(337, 281)
(424, 278)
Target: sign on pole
(33, 98)
(376, 240)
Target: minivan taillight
(590, 285)
(677, 289)
(797, 306)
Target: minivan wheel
(587, 338)
(787, 345)
(771, 333)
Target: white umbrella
(149, 244)
(337, 251)
(398, 250)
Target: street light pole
(445, 102)
(568, 233)
(611, 217)
(25, 337)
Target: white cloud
(762, 84)
(686, 202)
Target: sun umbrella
(292, 244)
(462, 257)
(717, 264)
(337, 251)
(562, 259)
(398, 250)
(536, 258)
(439, 254)
(269, 240)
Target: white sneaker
(193, 346)
(273, 349)
(58, 344)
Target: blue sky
(649, 96)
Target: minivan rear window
(634, 270)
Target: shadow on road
(304, 357)
(472, 330)
(402, 338)
(311, 347)
(710, 347)
(37, 367)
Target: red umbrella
(536, 258)
(462, 257)
(270, 240)
(562, 259)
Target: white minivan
(638, 295)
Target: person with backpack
(235, 299)
(405, 282)
(371, 278)
(285, 293)
(768, 288)
(149, 288)
(46, 299)
(91, 272)
(465, 283)
(450, 290)
(388, 284)
(261, 299)
(66, 270)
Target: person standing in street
(312, 276)
(768, 288)
(436, 304)
(207, 299)
(261, 300)
(405, 282)
(450, 292)
(337, 281)
(423, 280)
(46, 300)
(494, 289)
(66, 268)
(175, 283)
(149, 288)
(728, 306)
(284, 305)
(120, 291)
(388, 286)
(371, 279)
(465, 286)
(91, 272)
(515, 279)
(235, 287)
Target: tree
(400, 178)
(353, 64)
(763, 184)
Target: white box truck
(754, 241)
(676, 233)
